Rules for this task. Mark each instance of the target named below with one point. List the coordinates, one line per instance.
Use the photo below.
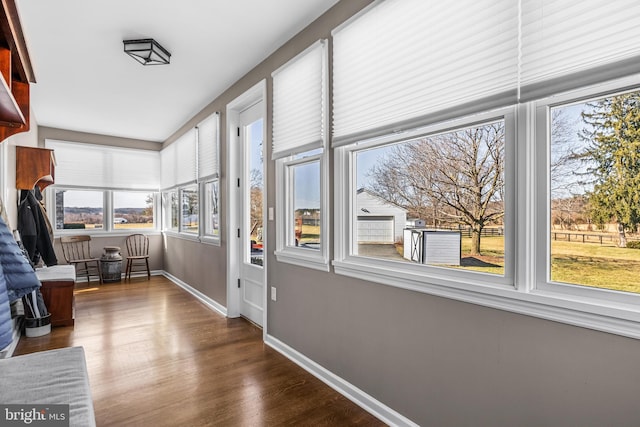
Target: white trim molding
(348, 390)
(209, 302)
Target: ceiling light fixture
(146, 51)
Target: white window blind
(168, 166)
(299, 102)
(404, 63)
(571, 44)
(186, 166)
(179, 165)
(101, 166)
(208, 147)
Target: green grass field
(588, 264)
(600, 266)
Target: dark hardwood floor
(158, 357)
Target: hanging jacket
(18, 273)
(33, 230)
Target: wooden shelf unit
(34, 166)
(15, 73)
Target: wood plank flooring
(158, 357)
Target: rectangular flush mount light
(147, 51)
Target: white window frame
(543, 285)
(430, 279)
(207, 235)
(525, 289)
(180, 200)
(286, 252)
(208, 159)
(107, 212)
(166, 210)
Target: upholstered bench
(54, 377)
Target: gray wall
(156, 250)
(201, 266)
(445, 363)
(439, 362)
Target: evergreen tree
(613, 153)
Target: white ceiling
(85, 82)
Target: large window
(594, 188)
(190, 181)
(102, 188)
(435, 199)
(79, 209)
(133, 210)
(103, 210)
(299, 133)
(493, 157)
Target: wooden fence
(466, 232)
(587, 237)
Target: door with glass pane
(252, 228)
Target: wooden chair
(77, 252)
(138, 254)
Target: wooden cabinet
(59, 300)
(57, 292)
(15, 73)
(34, 166)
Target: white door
(252, 230)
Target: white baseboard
(351, 392)
(348, 390)
(212, 304)
(138, 273)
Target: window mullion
(527, 178)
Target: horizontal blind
(168, 166)
(108, 167)
(186, 158)
(299, 102)
(179, 161)
(208, 146)
(403, 63)
(566, 45)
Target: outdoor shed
(428, 246)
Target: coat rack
(34, 166)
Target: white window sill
(607, 316)
(303, 258)
(183, 236)
(210, 240)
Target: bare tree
(256, 182)
(460, 174)
(566, 164)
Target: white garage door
(375, 230)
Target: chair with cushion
(138, 254)
(77, 252)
